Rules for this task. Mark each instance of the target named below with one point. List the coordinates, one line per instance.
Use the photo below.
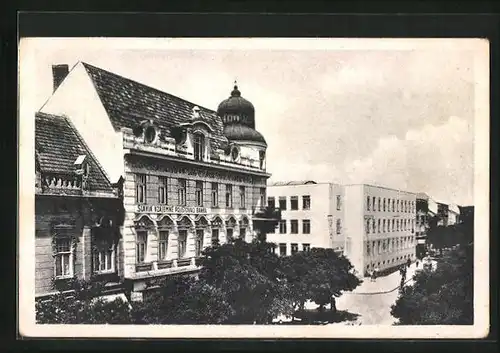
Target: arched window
(165, 226)
(243, 227)
(199, 146)
(216, 226)
(230, 225)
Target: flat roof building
(311, 215)
(379, 227)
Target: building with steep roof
(77, 210)
(189, 175)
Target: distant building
(190, 176)
(78, 212)
(311, 215)
(427, 209)
(379, 227)
(453, 214)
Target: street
(372, 300)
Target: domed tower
(238, 118)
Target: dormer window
(235, 153)
(149, 134)
(199, 146)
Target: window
(306, 202)
(182, 243)
(306, 226)
(140, 246)
(215, 195)
(262, 196)
(294, 203)
(397, 206)
(262, 158)
(294, 225)
(405, 206)
(229, 196)
(379, 247)
(393, 226)
(242, 197)
(215, 235)
(383, 225)
(368, 203)
(162, 190)
(229, 234)
(373, 204)
(282, 249)
(140, 191)
(103, 259)
(199, 193)
(393, 205)
(282, 201)
(63, 257)
(199, 242)
(397, 225)
(306, 247)
(367, 226)
(368, 248)
(383, 204)
(282, 226)
(339, 203)
(243, 233)
(295, 248)
(181, 190)
(378, 202)
(378, 226)
(384, 246)
(271, 202)
(338, 226)
(162, 245)
(199, 146)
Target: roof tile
(58, 145)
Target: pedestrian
(417, 263)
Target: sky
(396, 117)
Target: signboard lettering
(170, 209)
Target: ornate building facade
(189, 176)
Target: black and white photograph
(244, 187)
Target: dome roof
(237, 109)
(243, 133)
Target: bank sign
(170, 209)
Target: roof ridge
(87, 148)
(145, 85)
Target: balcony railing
(55, 181)
(165, 264)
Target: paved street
(372, 300)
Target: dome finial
(235, 92)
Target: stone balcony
(160, 268)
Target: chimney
(59, 73)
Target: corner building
(311, 216)
(379, 227)
(189, 175)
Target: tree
(319, 275)
(82, 306)
(183, 300)
(443, 296)
(250, 276)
